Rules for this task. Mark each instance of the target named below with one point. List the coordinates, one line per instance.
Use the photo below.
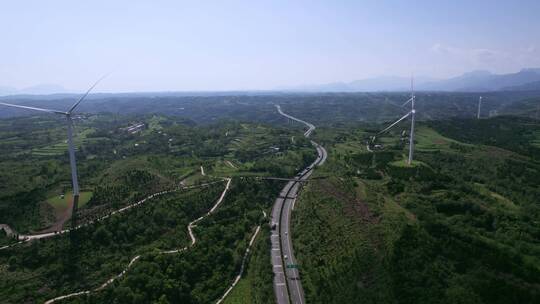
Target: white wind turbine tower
(479, 107)
(412, 114)
(71, 146)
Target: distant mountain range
(383, 83)
(476, 81)
(530, 86)
(526, 79)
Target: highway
(287, 281)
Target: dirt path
(239, 276)
(231, 164)
(133, 260)
(26, 238)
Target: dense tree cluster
(93, 254)
(129, 187)
(202, 273)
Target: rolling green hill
(460, 226)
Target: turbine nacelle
(412, 114)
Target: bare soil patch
(61, 216)
(354, 206)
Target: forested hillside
(459, 226)
(140, 191)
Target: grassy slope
(254, 287)
(343, 230)
(61, 204)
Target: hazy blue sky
(225, 45)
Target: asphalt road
(287, 280)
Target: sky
(258, 45)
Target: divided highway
(287, 281)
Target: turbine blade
(395, 123)
(32, 108)
(406, 102)
(86, 94)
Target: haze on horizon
(246, 45)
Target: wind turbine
(479, 107)
(71, 147)
(411, 113)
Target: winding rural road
(287, 282)
(190, 227)
(134, 259)
(242, 267)
(25, 238)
